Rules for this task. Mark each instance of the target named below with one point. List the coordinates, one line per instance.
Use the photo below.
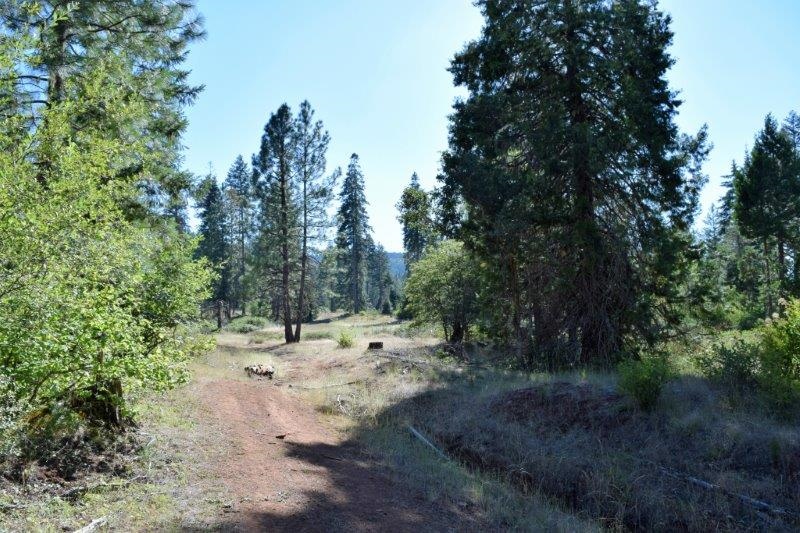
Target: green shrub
(238, 327)
(643, 380)
(247, 324)
(735, 366)
(259, 321)
(345, 339)
(779, 356)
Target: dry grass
(566, 441)
(527, 452)
(162, 488)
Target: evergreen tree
(353, 239)
(272, 169)
(577, 184)
(238, 189)
(214, 236)
(767, 205)
(326, 279)
(379, 281)
(415, 215)
(140, 45)
(315, 194)
(791, 126)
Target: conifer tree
(315, 193)
(577, 183)
(415, 216)
(148, 41)
(767, 207)
(239, 194)
(214, 236)
(272, 169)
(379, 281)
(352, 238)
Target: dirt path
(287, 471)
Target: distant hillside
(397, 264)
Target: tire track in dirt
(310, 479)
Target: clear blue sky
(374, 70)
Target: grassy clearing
(569, 444)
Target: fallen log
(403, 359)
(94, 525)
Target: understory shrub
(345, 339)
(769, 365)
(735, 366)
(644, 379)
(259, 321)
(779, 356)
(238, 327)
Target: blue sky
(374, 70)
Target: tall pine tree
(315, 193)
(238, 189)
(415, 216)
(767, 206)
(140, 45)
(272, 168)
(353, 239)
(214, 237)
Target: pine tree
(791, 126)
(238, 189)
(767, 206)
(352, 238)
(577, 183)
(379, 281)
(315, 191)
(272, 169)
(214, 237)
(415, 215)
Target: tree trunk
(781, 267)
(286, 305)
(458, 332)
(219, 315)
(303, 267)
(242, 266)
(768, 277)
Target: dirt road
(287, 470)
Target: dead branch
(94, 525)
(331, 386)
(428, 443)
(403, 359)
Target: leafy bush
(240, 327)
(93, 302)
(442, 289)
(780, 357)
(643, 380)
(247, 324)
(345, 339)
(735, 366)
(259, 321)
(770, 365)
